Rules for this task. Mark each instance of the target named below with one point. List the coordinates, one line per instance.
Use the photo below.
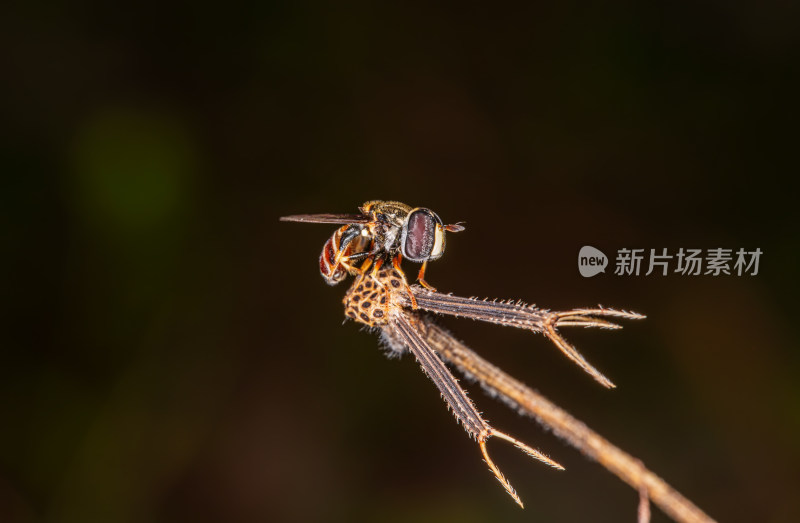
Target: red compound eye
(419, 234)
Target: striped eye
(422, 238)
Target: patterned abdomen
(331, 271)
(347, 247)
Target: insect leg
(364, 266)
(396, 264)
(347, 262)
(376, 267)
(421, 277)
(371, 257)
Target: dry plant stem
(522, 316)
(402, 326)
(526, 400)
(644, 507)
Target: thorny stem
(629, 469)
(404, 328)
(522, 316)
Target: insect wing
(340, 219)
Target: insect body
(383, 231)
(348, 246)
(386, 230)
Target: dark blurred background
(170, 352)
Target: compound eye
(422, 238)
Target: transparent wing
(341, 219)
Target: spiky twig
(631, 470)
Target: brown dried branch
(629, 469)
(522, 316)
